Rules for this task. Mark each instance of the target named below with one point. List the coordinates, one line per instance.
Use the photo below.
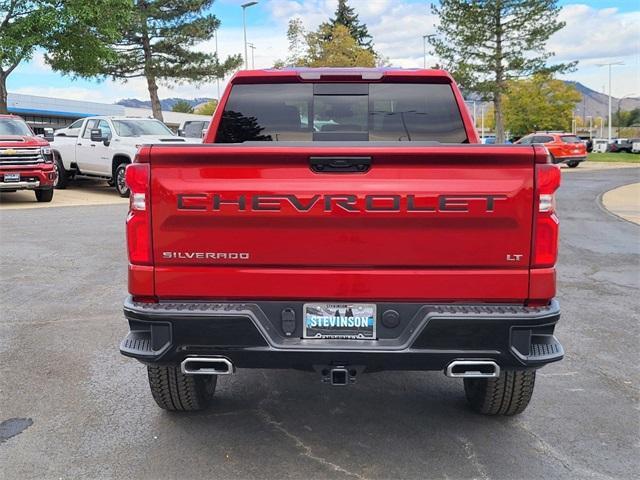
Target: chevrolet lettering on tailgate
(349, 203)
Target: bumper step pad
(146, 340)
(545, 351)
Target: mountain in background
(596, 104)
(167, 103)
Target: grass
(614, 157)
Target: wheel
(63, 177)
(120, 183)
(509, 394)
(573, 164)
(175, 391)
(44, 195)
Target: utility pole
(253, 59)
(244, 28)
(217, 78)
(609, 65)
(424, 49)
(474, 114)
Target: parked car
(492, 141)
(600, 145)
(386, 239)
(105, 146)
(588, 142)
(26, 160)
(620, 145)
(193, 128)
(563, 147)
(635, 145)
(72, 130)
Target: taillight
(545, 243)
(139, 217)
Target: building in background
(42, 112)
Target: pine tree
(487, 43)
(346, 16)
(182, 106)
(159, 46)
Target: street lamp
(244, 27)
(424, 49)
(618, 114)
(218, 58)
(609, 65)
(253, 59)
(590, 117)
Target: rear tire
(63, 176)
(508, 394)
(573, 164)
(173, 390)
(44, 195)
(119, 180)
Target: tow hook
(339, 375)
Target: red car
(343, 221)
(563, 147)
(26, 160)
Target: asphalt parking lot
(62, 282)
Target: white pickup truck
(103, 146)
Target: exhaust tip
(207, 366)
(473, 369)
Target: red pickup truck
(26, 161)
(343, 221)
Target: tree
(207, 108)
(182, 106)
(297, 37)
(626, 118)
(341, 50)
(347, 17)
(326, 47)
(487, 43)
(159, 46)
(74, 34)
(539, 103)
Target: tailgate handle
(340, 164)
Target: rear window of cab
(342, 112)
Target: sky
(596, 32)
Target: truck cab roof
(340, 74)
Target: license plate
(11, 177)
(340, 320)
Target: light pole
(218, 58)
(244, 27)
(424, 49)
(601, 127)
(609, 65)
(253, 59)
(618, 114)
(590, 126)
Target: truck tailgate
(421, 223)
